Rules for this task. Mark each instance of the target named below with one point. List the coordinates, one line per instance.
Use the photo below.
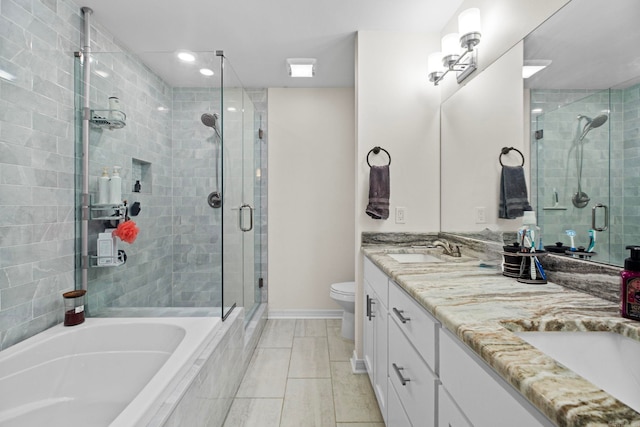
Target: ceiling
(590, 46)
(257, 36)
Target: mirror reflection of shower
(211, 120)
(580, 199)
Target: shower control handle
(241, 218)
(606, 217)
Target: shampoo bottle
(630, 285)
(115, 186)
(103, 188)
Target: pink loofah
(127, 231)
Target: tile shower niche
(141, 181)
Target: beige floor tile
(340, 349)
(360, 425)
(254, 413)
(308, 403)
(310, 358)
(266, 375)
(278, 333)
(334, 323)
(311, 328)
(353, 395)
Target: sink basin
(606, 359)
(414, 258)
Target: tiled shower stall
(164, 145)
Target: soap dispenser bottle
(103, 188)
(115, 186)
(630, 285)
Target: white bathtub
(104, 372)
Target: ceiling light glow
(186, 56)
(532, 66)
(206, 72)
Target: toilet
(344, 293)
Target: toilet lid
(346, 288)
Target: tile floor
(300, 376)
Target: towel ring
(505, 150)
(376, 150)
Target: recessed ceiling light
(206, 72)
(301, 67)
(186, 56)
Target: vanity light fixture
(451, 59)
(301, 67)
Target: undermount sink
(606, 359)
(414, 258)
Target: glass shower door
(573, 173)
(238, 185)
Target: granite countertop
(483, 308)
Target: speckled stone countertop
(483, 308)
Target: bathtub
(104, 372)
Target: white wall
(311, 196)
(397, 109)
(477, 121)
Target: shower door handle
(606, 217)
(241, 218)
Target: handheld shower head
(596, 122)
(210, 120)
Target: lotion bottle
(105, 249)
(115, 186)
(630, 285)
(103, 188)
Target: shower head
(596, 122)
(210, 120)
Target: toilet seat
(344, 290)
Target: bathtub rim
(199, 332)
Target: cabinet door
(449, 415)
(484, 397)
(380, 357)
(367, 333)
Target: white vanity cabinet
(375, 345)
(423, 375)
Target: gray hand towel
(513, 193)
(379, 192)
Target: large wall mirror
(585, 126)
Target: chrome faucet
(447, 248)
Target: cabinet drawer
(378, 281)
(485, 398)
(396, 417)
(418, 392)
(449, 415)
(420, 327)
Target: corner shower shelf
(119, 210)
(104, 119)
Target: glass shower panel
(167, 157)
(572, 177)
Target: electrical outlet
(481, 215)
(400, 215)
